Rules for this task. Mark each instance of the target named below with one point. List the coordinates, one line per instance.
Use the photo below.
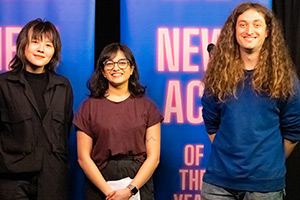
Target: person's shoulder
(5, 75)
(60, 78)
(92, 101)
(145, 100)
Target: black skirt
(118, 168)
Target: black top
(38, 84)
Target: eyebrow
(256, 20)
(37, 38)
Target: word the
(191, 179)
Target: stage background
(146, 26)
(75, 20)
(169, 40)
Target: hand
(123, 194)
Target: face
(116, 76)
(251, 31)
(38, 54)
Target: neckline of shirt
(118, 102)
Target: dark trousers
(117, 169)
(51, 183)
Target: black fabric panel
(107, 24)
(288, 12)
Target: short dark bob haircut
(98, 84)
(36, 29)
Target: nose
(41, 47)
(116, 64)
(250, 29)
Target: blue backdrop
(75, 20)
(169, 40)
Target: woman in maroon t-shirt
(118, 129)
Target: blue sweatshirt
(247, 153)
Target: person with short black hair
(35, 118)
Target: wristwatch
(133, 189)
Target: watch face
(134, 191)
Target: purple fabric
(117, 128)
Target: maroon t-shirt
(117, 128)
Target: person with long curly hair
(118, 130)
(251, 108)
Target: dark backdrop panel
(107, 24)
(288, 11)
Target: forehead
(250, 16)
(117, 55)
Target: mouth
(116, 74)
(38, 56)
(249, 38)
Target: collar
(18, 76)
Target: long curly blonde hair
(274, 73)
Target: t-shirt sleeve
(82, 118)
(210, 113)
(290, 117)
(154, 115)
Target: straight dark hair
(36, 29)
(98, 84)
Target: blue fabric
(248, 150)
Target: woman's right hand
(123, 194)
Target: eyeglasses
(122, 64)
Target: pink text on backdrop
(187, 197)
(7, 34)
(174, 106)
(193, 154)
(191, 176)
(168, 48)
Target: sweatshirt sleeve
(211, 113)
(290, 117)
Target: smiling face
(251, 31)
(38, 53)
(116, 76)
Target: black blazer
(21, 123)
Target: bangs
(41, 31)
(110, 54)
